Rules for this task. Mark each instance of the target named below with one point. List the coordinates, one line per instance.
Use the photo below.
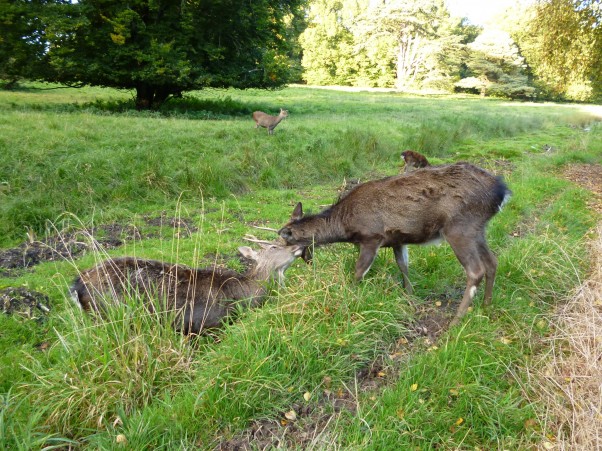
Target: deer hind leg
(401, 257)
(368, 253)
(468, 251)
(490, 269)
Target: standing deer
(414, 160)
(452, 202)
(206, 296)
(266, 121)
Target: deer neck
(325, 228)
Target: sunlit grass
(129, 379)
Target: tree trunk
(145, 96)
(150, 97)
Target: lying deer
(266, 121)
(452, 202)
(206, 296)
(414, 160)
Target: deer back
(411, 208)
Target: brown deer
(414, 160)
(204, 296)
(452, 202)
(266, 121)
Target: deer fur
(414, 160)
(266, 121)
(452, 202)
(205, 296)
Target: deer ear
(297, 212)
(247, 252)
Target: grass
(87, 161)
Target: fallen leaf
(400, 414)
(505, 340)
(438, 303)
(381, 374)
(414, 387)
(530, 423)
(306, 396)
(548, 445)
(121, 439)
(290, 415)
(454, 392)
(459, 421)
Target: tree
(161, 48)
(563, 43)
(22, 43)
(328, 45)
(495, 67)
(407, 26)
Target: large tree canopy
(161, 48)
(563, 43)
(22, 42)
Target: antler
(265, 228)
(254, 239)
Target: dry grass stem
(569, 380)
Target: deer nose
(285, 233)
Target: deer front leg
(401, 257)
(368, 253)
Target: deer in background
(452, 202)
(205, 296)
(266, 121)
(414, 160)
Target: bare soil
(589, 177)
(25, 303)
(70, 245)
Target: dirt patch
(589, 177)
(63, 246)
(70, 245)
(24, 303)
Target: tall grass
(86, 160)
(129, 381)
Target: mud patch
(589, 177)
(63, 246)
(25, 303)
(71, 245)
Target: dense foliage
(162, 48)
(563, 42)
(550, 49)
(408, 44)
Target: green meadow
(326, 363)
